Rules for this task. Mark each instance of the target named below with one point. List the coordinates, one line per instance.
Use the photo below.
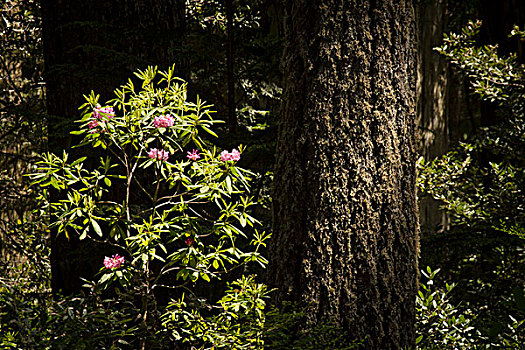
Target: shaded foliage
(481, 184)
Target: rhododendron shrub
(179, 214)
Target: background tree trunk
(432, 90)
(96, 45)
(345, 216)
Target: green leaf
(107, 182)
(96, 227)
(209, 131)
(229, 184)
(194, 276)
(105, 278)
(84, 234)
(205, 277)
(53, 181)
(242, 220)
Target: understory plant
(174, 211)
(440, 324)
(480, 183)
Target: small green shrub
(439, 323)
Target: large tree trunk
(96, 45)
(345, 216)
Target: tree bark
(433, 89)
(96, 45)
(345, 215)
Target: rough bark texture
(345, 215)
(96, 45)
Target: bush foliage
(174, 211)
(480, 184)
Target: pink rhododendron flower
(115, 261)
(235, 155)
(100, 112)
(189, 242)
(163, 121)
(158, 154)
(152, 153)
(98, 118)
(92, 125)
(225, 156)
(193, 155)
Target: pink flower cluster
(98, 117)
(163, 121)
(100, 112)
(158, 154)
(115, 261)
(93, 124)
(234, 155)
(193, 155)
